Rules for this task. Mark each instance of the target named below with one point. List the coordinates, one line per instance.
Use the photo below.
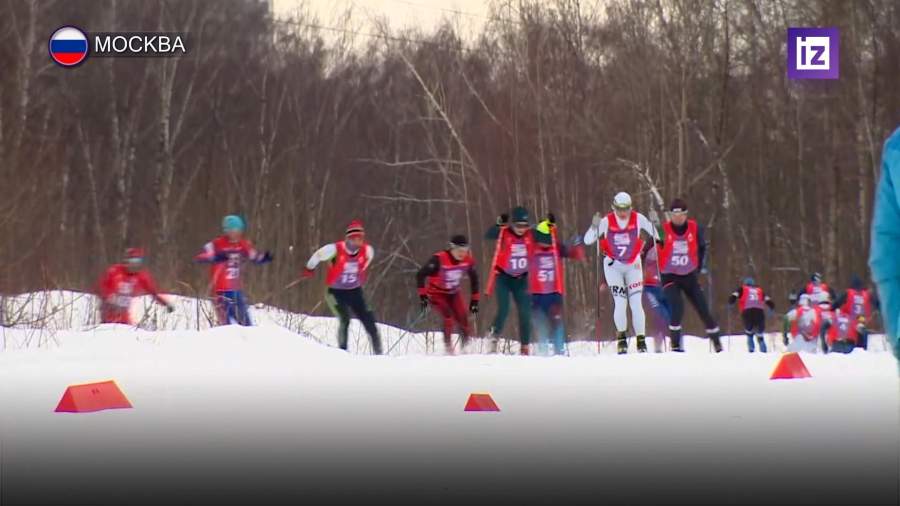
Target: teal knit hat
(233, 222)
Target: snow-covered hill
(232, 412)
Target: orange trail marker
(481, 402)
(790, 366)
(92, 397)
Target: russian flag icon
(68, 46)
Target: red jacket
(226, 276)
(348, 271)
(118, 286)
(680, 262)
(514, 263)
(448, 277)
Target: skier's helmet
(233, 222)
(622, 201)
(816, 277)
(543, 234)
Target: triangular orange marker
(92, 397)
(481, 402)
(790, 366)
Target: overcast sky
(468, 15)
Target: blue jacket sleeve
(886, 237)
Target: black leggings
(754, 321)
(673, 286)
(342, 302)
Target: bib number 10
(518, 263)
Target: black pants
(754, 321)
(342, 302)
(673, 287)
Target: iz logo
(813, 53)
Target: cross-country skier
(807, 324)
(752, 301)
(886, 241)
(859, 304)
(227, 254)
(349, 262)
(845, 333)
(681, 257)
(439, 282)
(655, 300)
(547, 284)
(509, 273)
(625, 235)
(123, 281)
(819, 292)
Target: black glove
(473, 307)
(503, 219)
(423, 301)
(170, 308)
(265, 258)
(784, 339)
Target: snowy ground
(262, 414)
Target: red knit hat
(355, 228)
(134, 253)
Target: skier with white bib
(625, 236)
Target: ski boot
(676, 341)
(762, 344)
(641, 344)
(750, 345)
(622, 344)
(448, 347)
(716, 342)
(465, 346)
(525, 350)
(493, 342)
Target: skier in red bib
(860, 304)
(349, 262)
(439, 282)
(819, 292)
(509, 273)
(681, 258)
(844, 332)
(752, 302)
(625, 236)
(547, 284)
(227, 254)
(121, 283)
(807, 324)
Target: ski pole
(422, 313)
(265, 300)
(492, 275)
